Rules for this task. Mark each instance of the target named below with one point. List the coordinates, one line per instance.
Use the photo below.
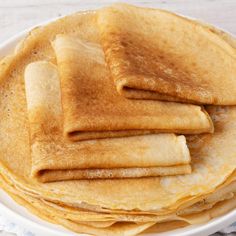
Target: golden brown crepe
(53, 158)
(213, 155)
(50, 214)
(93, 109)
(161, 194)
(155, 54)
(104, 220)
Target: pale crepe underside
(92, 108)
(214, 156)
(155, 54)
(54, 158)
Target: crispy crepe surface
(155, 54)
(55, 158)
(93, 109)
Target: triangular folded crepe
(92, 108)
(155, 54)
(53, 158)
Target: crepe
(77, 214)
(105, 220)
(92, 108)
(155, 54)
(99, 227)
(228, 113)
(53, 158)
(213, 155)
(119, 229)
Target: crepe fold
(54, 158)
(93, 109)
(155, 54)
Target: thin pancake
(118, 229)
(77, 214)
(92, 108)
(159, 55)
(50, 214)
(53, 158)
(214, 157)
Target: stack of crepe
(103, 125)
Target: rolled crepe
(155, 54)
(92, 108)
(53, 158)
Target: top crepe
(155, 54)
(92, 108)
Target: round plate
(17, 215)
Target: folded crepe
(155, 54)
(92, 108)
(53, 158)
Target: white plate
(27, 222)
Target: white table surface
(16, 15)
